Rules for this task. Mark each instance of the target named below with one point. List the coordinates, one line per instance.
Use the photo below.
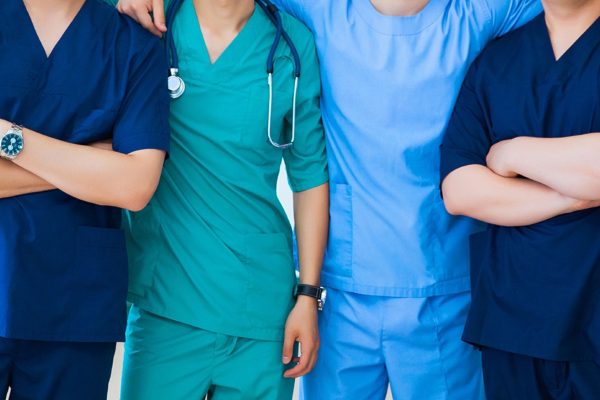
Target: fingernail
(286, 360)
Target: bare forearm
(311, 213)
(569, 165)
(92, 174)
(16, 181)
(477, 192)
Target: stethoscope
(176, 84)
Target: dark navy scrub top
(536, 289)
(63, 264)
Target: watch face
(11, 144)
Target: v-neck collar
(231, 52)
(585, 40)
(63, 37)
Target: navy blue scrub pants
(509, 376)
(36, 370)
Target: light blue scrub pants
(412, 344)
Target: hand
(104, 145)
(301, 326)
(578, 205)
(499, 156)
(140, 11)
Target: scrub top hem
(301, 186)
(452, 286)
(61, 337)
(253, 333)
(524, 350)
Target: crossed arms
(95, 173)
(528, 180)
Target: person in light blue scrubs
(397, 267)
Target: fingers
(145, 19)
(288, 348)
(139, 10)
(158, 11)
(308, 359)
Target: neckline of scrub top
(399, 25)
(36, 38)
(238, 43)
(584, 41)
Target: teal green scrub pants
(165, 359)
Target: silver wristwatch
(11, 142)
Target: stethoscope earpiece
(175, 84)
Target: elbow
(453, 203)
(136, 205)
(453, 207)
(137, 199)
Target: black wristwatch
(316, 292)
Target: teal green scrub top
(214, 247)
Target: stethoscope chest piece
(175, 84)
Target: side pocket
(143, 235)
(338, 257)
(271, 279)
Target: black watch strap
(316, 292)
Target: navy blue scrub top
(63, 264)
(536, 289)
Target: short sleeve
(507, 15)
(467, 139)
(143, 120)
(306, 160)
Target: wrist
(304, 301)
(314, 293)
(11, 140)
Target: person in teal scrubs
(211, 268)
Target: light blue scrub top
(389, 86)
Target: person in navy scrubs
(522, 153)
(75, 74)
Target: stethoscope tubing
(177, 85)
